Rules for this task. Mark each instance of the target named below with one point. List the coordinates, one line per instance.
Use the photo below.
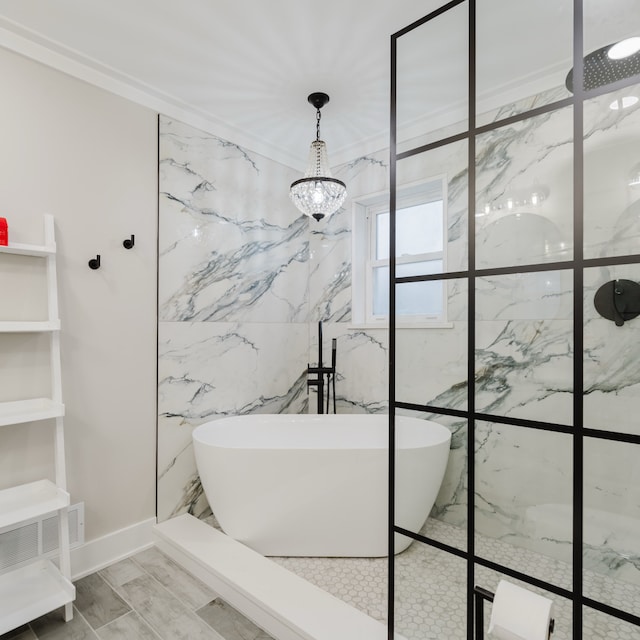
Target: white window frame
(365, 211)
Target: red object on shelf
(4, 232)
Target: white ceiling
(244, 66)
(242, 69)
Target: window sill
(438, 324)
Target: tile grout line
(141, 618)
(132, 609)
(79, 613)
(120, 594)
(124, 615)
(99, 574)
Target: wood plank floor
(145, 597)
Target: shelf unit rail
(56, 396)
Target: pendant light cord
(318, 155)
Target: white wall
(89, 158)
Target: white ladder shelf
(38, 587)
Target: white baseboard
(101, 552)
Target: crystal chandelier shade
(318, 194)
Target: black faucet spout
(321, 371)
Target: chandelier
(318, 194)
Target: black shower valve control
(618, 300)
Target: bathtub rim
(410, 432)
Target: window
(420, 250)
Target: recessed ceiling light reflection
(624, 48)
(623, 103)
(634, 176)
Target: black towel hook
(94, 263)
(129, 242)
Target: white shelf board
(18, 411)
(19, 249)
(31, 500)
(30, 592)
(28, 326)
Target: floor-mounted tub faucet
(321, 372)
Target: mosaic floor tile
(421, 602)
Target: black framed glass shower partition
(538, 148)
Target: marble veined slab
(525, 169)
(611, 188)
(208, 370)
(232, 245)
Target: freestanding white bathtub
(308, 485)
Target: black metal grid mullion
(471, 333)
(597, 434)
(430, 16)
(565, 265)
(432, 542)
(392, 345)
(578, 319)
(611, 611)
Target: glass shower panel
(523, 500)
(432, 79)
(524, 193)
(430, 592)
(524, 346)
(447, 521)
(598, 625)
(447, 165)
(612, 174)
(415, 301)
(431, 361)
(611, 358)
(524, 52)
(562, 608)
(612, 523)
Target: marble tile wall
(244, 281)
(233, 297)
(362, 353)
